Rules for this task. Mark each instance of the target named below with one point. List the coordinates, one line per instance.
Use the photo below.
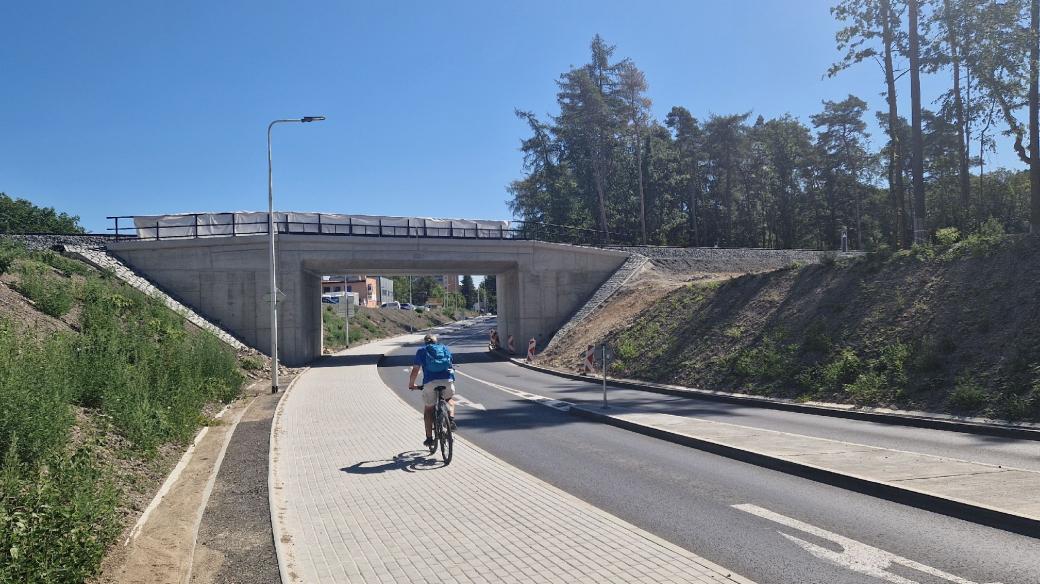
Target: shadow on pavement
(410, 461)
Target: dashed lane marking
(854, 556)
(545, 401)
(465, 402)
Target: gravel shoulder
(235, 539)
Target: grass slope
(81, 404)
(954, 328)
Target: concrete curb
(285, 568)
(919, 421)
(952, 507)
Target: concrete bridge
(225, 278)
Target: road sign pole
(605, 406)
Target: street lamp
(270, 231)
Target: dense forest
(603, 163)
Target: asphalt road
(763, 524)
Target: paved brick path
(353, 501)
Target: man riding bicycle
(435, 361)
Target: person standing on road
(435, 361)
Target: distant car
(406, 306)
(392, 305)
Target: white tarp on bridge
(245, 223)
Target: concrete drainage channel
(975, 492)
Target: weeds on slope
(136, 365)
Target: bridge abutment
(225, 279)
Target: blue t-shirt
(420, 359)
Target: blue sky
(128, 107)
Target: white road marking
(545, 401)
(465, 402)
(855, 556)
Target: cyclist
(435, 361)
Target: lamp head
(312, 119)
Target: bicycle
(441, 426)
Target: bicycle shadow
(409, 461)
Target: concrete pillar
(507, 285)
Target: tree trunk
(602, 197)
(917, 143)
(642, 195)
(958, 106)
(896, 191)
(1034, 122)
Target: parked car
(406, 306)
(392, 305)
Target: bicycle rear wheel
(444, 433)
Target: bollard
(605, 406)
(530, 349)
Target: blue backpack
(438, 360)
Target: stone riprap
(356, 499)
(49, 241)
(731, 260)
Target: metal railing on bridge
(207, 225)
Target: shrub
(947, 236)
(816, 338)
(769, 361)
(989, 236)
(967, 396)
(61, 263)
(52, 295)
(56, 520)
(252, 363)
(870, 388)
(35, 418)
(840, 370)
(135, 361)
(9, 252)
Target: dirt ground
(642, 291)
(163, 549)
(17, 309)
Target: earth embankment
(951, 329)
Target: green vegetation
(134, 370)
(938, 328)
(335, 329)
(252, 363)
(51, 294)
(968, 396)
(604, 163)
(21, 216)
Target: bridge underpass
(540, 285)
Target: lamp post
(270, 232)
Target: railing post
(451, 229)
(424, 232)
(319, 224)
(350, 226)
(196, 217)
(380, 228)
(287, 223)
(233, 233)
(117, 228)
(156, 231)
